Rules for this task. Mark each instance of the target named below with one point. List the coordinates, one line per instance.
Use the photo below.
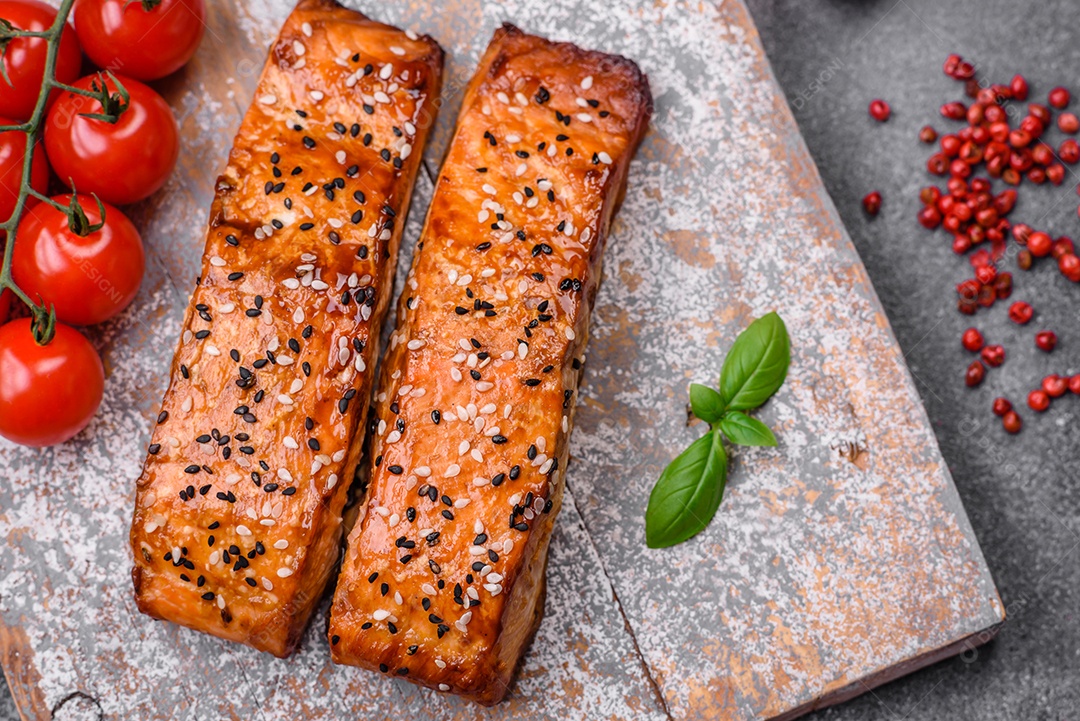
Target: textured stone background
(1020, 493)
(1016, 491)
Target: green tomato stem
(32, 129)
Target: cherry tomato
(142, 43)
(121, 162)
(88, 279)
(24, 58)
(47, 393)
(12, 154)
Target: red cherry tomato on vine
(24, 58)
(121, 162)
(142, 39)
(12, 154)
(88, 279)
(47, 393)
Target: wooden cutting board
(837, 561)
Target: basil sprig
(685, 498)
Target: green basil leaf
(688, 493)
(757, 364)
(706, 403)
(746, 431)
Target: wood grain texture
(836, 561)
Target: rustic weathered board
(839, 560)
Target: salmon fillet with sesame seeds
(238, 514)
(443, 578)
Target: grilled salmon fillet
(238, 513)
(443, 578)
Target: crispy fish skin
(238, 514)
(443, 578)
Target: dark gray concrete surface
(832, 57)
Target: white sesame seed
(452, 470)
(282, 544)
(284, 572)
(422, 471)
(380, 614)
(397, 50)
(268, 99)
(586, 83)
(603, 158)
(306, 29)
(298, 47)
